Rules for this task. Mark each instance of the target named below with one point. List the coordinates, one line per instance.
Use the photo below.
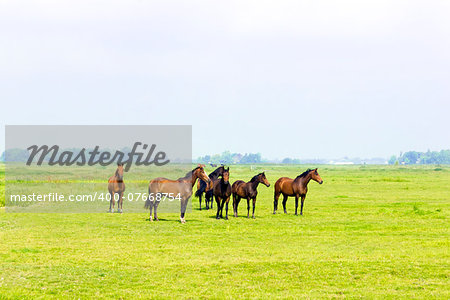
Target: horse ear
(315, 169)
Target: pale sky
(303, 79)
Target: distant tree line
(414, 157)
(231, 158)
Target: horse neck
(305, 180)
(194, 178)
(116, 177)
(254, 184)
(222, 182)
(213, 176)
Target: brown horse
(116, 186)
(248, 191)
(182, 188)
(297, 187)
(205, 187)
(222, 193)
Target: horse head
(200, 172)
(119, 172)
(315, 176)
(263, 179)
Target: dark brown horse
(182, 188)
(203, 186)
(222, 192)
(247, 191)
(116, 186)
(297, 188)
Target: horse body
(205, 187)
(116, 186)
(222, 192)
(297, 188)
(241, 189)
(182, 188)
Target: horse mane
(304, 173)
(255, 177)
(190, 173)
(216, 171)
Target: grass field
(367, 232)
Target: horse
(202, 186)
(241, 189)
(297, 187)
(182, 188)
(116, 186)
(222, 192)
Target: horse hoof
(156, 219)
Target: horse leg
(221, 203)
(156, 203)
(111, 202)
(200, 201)
(120, 202)
(285, 197)
(211, 201)
(275, 202)
(296, 204)
(218, 207)
(248, 208)
(183, 210)
(234, 205)
(237, 204)
(301, 208)
(226, 208)
(151, 210)
(254, 204)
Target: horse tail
(148, 203)
(201, 189)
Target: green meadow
(367, 232)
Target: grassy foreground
(367, 232)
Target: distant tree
(429, 157)
(251, 158)
(16, 155)
(392, 160)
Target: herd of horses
(216, 186)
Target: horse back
(164, 185)
(236, 185)
(284, 185)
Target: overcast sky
(304, 79)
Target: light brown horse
(116, 186)
(297, 188)
(247, 191)
(222, 193)
(182, 188)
